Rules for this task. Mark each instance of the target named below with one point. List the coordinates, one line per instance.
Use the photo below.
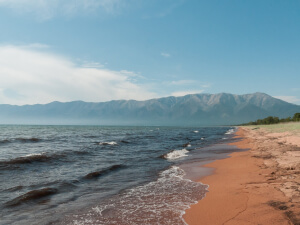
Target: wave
(16, 188)
(40, 157)
(108, 143)
(4, 141)
(175, 154)
(102, 172)
(67, 185)
(187, 145)
(31, 158)
(230, 131)
(32, 195)
(163, 201)
(196, 131)
(28, 139)
(22, 140)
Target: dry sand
(258, 186)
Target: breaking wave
(31, 158)
(163, 201)
(230, 131)
(175, 154)
(108, 143)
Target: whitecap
(33, 154)
(108, 143)
(176, 154)
(230, 131)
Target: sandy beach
(256, 186)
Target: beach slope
(256, 186)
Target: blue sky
(99, 50)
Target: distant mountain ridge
(189, 110)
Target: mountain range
(189, 110)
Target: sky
(101, 50)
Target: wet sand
(258, 186)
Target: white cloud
(30, 76)
(92, 65)
(188, 92)
(165, 54)
(46, 9)
(291, 99)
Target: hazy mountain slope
(196, 109)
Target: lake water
(102, 175)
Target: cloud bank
(31, 76)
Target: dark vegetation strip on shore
(274, 120)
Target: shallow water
(102, 175)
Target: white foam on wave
(163, 201)
(196, 131)
(33, 154)
(230, 131)
(177, 154)
(189, 145)
(108, 143)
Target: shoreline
(241, 190)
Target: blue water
(100, 175)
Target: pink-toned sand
(259, 186)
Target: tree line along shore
(273, 120)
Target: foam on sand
(159, 202)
